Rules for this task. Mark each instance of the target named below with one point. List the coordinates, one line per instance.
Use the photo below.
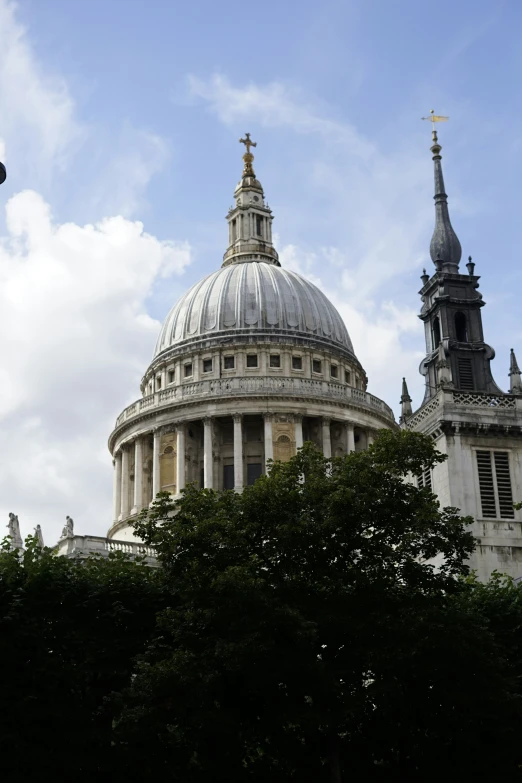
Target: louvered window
(496, 498)
(466, 375)
(424, 479)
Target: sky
(119, 127)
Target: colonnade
(125, 506)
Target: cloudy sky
(119, 125)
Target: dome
(254, 298)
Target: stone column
(124, 482)
(298, 419)
(327, 441)
(117, 486)
(180, 457)
(208, 462)
(138, 476)
(238, 451)
(269, 445)
(156, 481)
(370, 438)
(350, 438)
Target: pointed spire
(406, 409)
(515, 381)
(445, 246)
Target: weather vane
(433, 118)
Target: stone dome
(256, 298)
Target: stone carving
(39, 536)
(14, 531)
(68, 530)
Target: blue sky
(119, 126)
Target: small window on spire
(259, 225)
(436, 334)
(461, 327)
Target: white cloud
(76, 336)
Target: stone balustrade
(86, 546)
(263, 385)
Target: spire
(445, 245)
(406, 409)
(250, 220)
(515, 382)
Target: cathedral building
(254, 360)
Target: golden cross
(248, 142)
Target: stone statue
(68, 530)
(14, 531)
(39, 535)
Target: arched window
(436, 333)
(461, 328)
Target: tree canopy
(310, 632)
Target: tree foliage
(309, 633)
(69, 631)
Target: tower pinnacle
(248, 157)
(445, 246)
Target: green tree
(69, 631)
(308, 634)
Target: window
(496, 498)
(334, 371)
(275, 360)
(253, 472)
(461, 328)
(234, 230)
(188, 370)
(259, 225)
(207, 365)
(347, 376)
(424, 479)
(465, 374)
(297, 363)
(436, 334)
(171, 376)
(316, 365)
(251, 359)
(228, 362)
(158, 381)
(228, 476)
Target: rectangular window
(316, 365)
(158, 381)
(207, 365)
(228, 362)
(228, 477)
(275, 360)
(496, 497)
(253, 472)
(334, 371)
(188, 370)
(297, 363)
(424, 479)
(259, 225)
(465, 374)
(251, 359)
(234, 230)
(347, 377)
(171, 376)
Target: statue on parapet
(39, 536)
(14, 531)
(68, 530)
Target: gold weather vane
(248, 157)
(433, 118)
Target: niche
(461, 328)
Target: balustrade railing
(263, 384)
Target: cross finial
(433, 118)
(248, 142)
